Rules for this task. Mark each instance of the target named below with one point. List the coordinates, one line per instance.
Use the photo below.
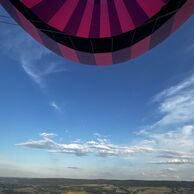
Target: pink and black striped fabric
(95, 18)
(100, 32)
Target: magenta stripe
(103, 58)
(75, 20)
(31, 4)
(104, 20)
(84, 28)
(125, 19)
(62, 17)
(151, 7)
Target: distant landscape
(79, 186)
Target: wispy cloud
(175, 106)
(38, 75)
(175, 154)
(31, 72)
(177, 109)
(190, 48)
(48, 135)
(54, 105)
(185, 84)
(100, 147)
(176, 161)
(37, 62)
(169, 170)
(73, 167)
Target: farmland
(79, 186)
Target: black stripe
(135, 11)
(50, 10)
(95, 23)
(115, 25)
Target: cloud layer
(167, 141)
(173, 147)
(100, 147)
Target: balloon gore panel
(100, 32)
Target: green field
(76, 186)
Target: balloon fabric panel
(100, 32)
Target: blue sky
(133, 120)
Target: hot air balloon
(99, 32)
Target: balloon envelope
(99, 32)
